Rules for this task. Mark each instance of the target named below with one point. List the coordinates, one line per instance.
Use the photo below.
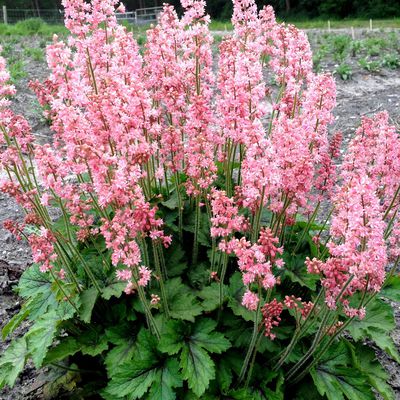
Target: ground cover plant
(206, 245)
(371, 51)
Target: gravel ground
(364, 94)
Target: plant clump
(194, 256)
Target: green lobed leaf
(43, 294)
(368, 364)
(392, 289)
(118, 355)
(295, 270)
(224, 375)
(172, 338)
(236, 290)
(197, 368)
(204, 237)
(199, 275)
(204, 336)
(67, 347)
(40, 304)
(278, 392)
(12, 362)
(15, 322)
(132, 380)
(41, 335)
(124, 339)
(88, 299)
(93, 342)
(147, 371)
(172, 202)
(306, 390)
(376, 325)
(210, 296)
(113, 289)
(246, 394)
(175, 260)
(34, 282)
(168, 378)
(182, 302)
(337, 379)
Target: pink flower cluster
(367, 194)
(129, 126)
(42, 246)
(271, 316)
(226, 219)
(256, 262)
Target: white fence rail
(139, 16)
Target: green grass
(322, 24)
(216, 25)
(31, 27)
(35, 26)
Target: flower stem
(196, 231)
(252, 344)
(161, 281)
(221, 281)
(150, 319)
(306, 228)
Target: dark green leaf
(197, 368)
(113, 289)
(199, 275)
(124, 339)
(194, 342)
(34, 282)
(224, 375)
(377, 325)
(182, 303)
(370, 367)
(203, 336)
(15, 322)
(132, 380)
(88, 300)
(168, 378)
(236, 290)
(296, 271)
(204, 237)
(172, 338)
(43, 295)
(336, 378)
(40, 336)
(12, 362)
(392, 289)
(118, 355)
(175, 260)
(146, 370)
(210, 296)
(172, 202)
(40, 304)
(300, 225)
(246, 394)
(278, 392)
(93, 342)
(67, 347)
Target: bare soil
(365, 94)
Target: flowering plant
(207, 244)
